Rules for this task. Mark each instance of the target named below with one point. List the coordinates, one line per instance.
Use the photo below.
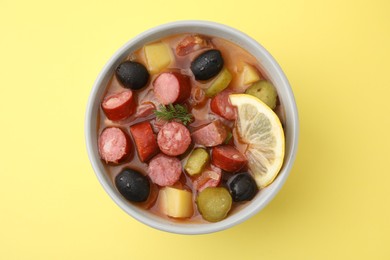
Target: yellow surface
(335, 204)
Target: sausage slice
(228, 158)
(145, 140)
(172, 87)
(119, 106)
(173, 139)
(210, 135)
(114, 145)
(221, 105)
(164, 170)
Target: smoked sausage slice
(164, 170)
(119, 106)
(114, 145)
(221, 106)
(172, 87)
(145, 140)
(227, 158)
(210, 135)
(173, 139)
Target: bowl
(269, 67)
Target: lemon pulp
(260, 128)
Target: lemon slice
(260, 128)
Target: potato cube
(176, 203)
(249, 74)
(158, 56)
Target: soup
(176, 133)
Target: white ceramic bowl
(271, 69)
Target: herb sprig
(171, 112)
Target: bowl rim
(191, 228)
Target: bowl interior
(268, 66)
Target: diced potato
(249, 74)
(220, 83)
(158, 56)
(197, 161)
(176, 203)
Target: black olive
(242, 187)
(207, 65)
(133, 185)
(132, 75)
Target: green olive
(214, 203)
(264, 91)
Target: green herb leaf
(174, 112)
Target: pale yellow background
(336, 202)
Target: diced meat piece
(228, 158)
(174, 139)
(210, 177)
(221, 105)
(114, 145)
(192, 43)
(119, 106)
(145, 140)
(172, 87)
(210, 135)
(145, 109)
(164, 170)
